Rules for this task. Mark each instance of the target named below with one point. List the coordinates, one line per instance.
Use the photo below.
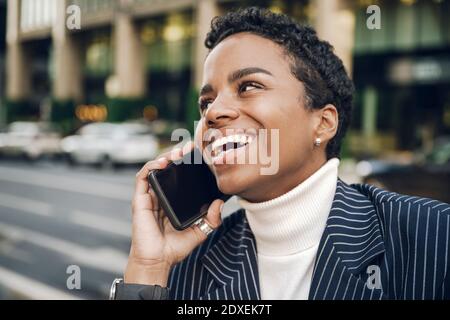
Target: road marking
(86, 219)
(8, 249)
(72, 184)
(104, 258)
(30, 288)
(101, 223)
(25, 204)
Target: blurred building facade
(144, 58)
(402, 76)
(2, 58)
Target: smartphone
(185, 189)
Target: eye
(248, 86)
(203, 104)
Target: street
(53, 216)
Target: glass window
(35, 14)
(405, 25)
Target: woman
(302, 233)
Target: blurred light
(173, 32)
(408, 2)
(405, 71)
(112, 86)
(277, 6)
(363, 168)
(148, 34)
(275, 9)
(96, 113)
(366, 3)
(150, 113)
(178, 27)
(401, 71)
(427, 70)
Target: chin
(235, 182)
(229, 186)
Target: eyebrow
(236, 75)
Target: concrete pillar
(369, 116)
(129, 61)
(68, 77)
(335, 23)
(18, 79)
(205, 11)
(68, 81)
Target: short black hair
(313, 60)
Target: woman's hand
(156, 246)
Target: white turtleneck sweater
(288, 230)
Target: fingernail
(221, 207)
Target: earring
(317, 142)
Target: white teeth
(217, 146)
(219, 142)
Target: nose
(219, 114)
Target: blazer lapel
(349, 250)
(232, 262)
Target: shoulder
(395, 203)
(416, 234)
(415, 224)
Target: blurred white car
(30, 139)
(110, 144)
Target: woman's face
(248, 86)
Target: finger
(154, 198)
(143, 214)
(188, 147)
(169, 153)
(190, 238)
(142, 202)
(213, 217)
(176, 154)
(141, 186)
(162, 220)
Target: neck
(295, 220)
(283, 183)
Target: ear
(327, 122)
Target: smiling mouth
(229, 143)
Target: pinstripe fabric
(406, 238)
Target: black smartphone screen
(186, 190)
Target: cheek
(296, 140)
(198, 135)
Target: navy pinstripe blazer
(376, 245)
